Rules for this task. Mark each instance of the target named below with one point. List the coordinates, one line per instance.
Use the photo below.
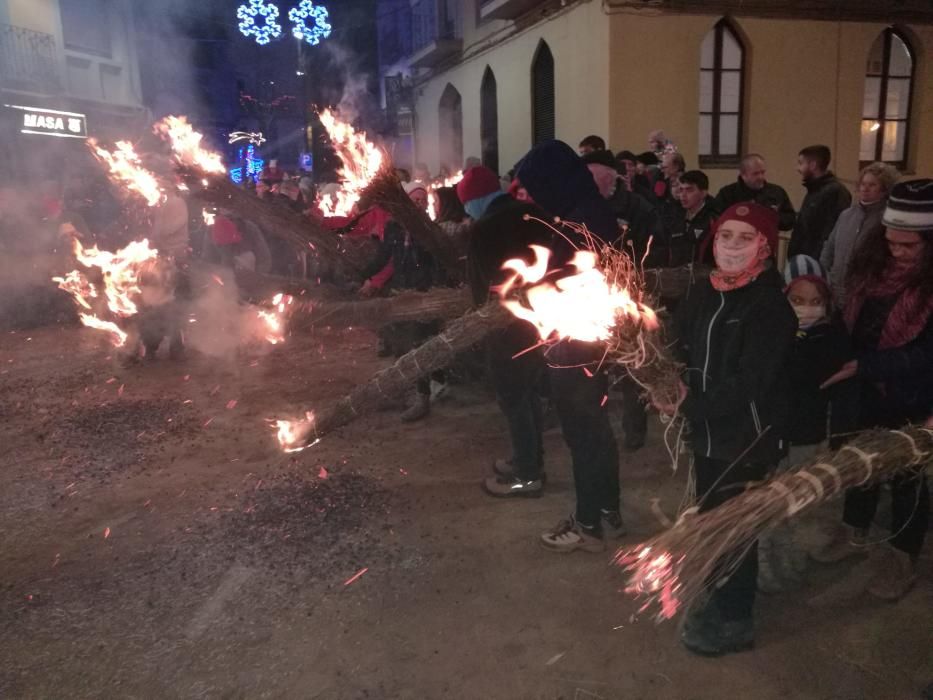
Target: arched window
(489, 120)
(450, 128)
(886, 106)
(542, 94)
(722, 81)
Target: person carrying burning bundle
(734, 333)
(412, 268)
(502, 232)
(560, 183)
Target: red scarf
(727, 281)
(910, 313)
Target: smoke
(357, 100)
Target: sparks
(355, 576)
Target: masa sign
(51, 122)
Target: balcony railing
(433, 21)
(28, 60)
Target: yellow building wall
(579, 41)
(804, 85)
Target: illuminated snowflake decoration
(310, 22)
(266, 31)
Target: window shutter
(542, 95)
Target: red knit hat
(764, 219)
(478, 181)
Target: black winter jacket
(826, 199)
(413, 266)
(688, 240)
(640, 219)
(773, 196)
(818, 353)
(736, 345)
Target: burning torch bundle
(673, 569)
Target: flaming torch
(186, 145)
(127, 170)
(119, 283)
(361, 162)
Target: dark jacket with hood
(826, 199)
(735, 346)
(770, 195)
(689, 240)
(559, 182)
(639, 219)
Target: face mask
(733, 259)
(808, 315)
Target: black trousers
(583, 410)
(910, 509)
(634, 414)
(516, 382)
(716, 483)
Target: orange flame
(126, 168)
(186, 145)
(583, 306)
(274, 320)
(120, 275)
(361, 162)
(654, 577)
(291, 434)
(432, 205)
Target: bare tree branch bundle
(297, 230)
(386, 191)
(441, 303)
(393, 381)
(674, 568)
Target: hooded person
(734, 333)
(560, 183)
(503, 229)
(412, 268)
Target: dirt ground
(155, 544)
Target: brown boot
(895, 574)
(845, 542)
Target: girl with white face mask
(734, 333)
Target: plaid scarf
(910, 313)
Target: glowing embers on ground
(127, 170)
(274, 319)
(186, 145)
(293, 434)
(582, 306)
(361, 160)
(116, 281)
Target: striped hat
(803, 267)
(910, 206)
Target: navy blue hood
(559, 182)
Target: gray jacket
(850, 230)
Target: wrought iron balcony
(436, 31)
(28, 60)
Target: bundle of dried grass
(299, 231)
(395, 380)
(440, 303)
(674, 568)
(385, 190)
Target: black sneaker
(502, 487)
(613, 527)
(505, 469)
(718, 638)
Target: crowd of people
(778, 363)
(843, 335)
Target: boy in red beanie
(734, 333)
